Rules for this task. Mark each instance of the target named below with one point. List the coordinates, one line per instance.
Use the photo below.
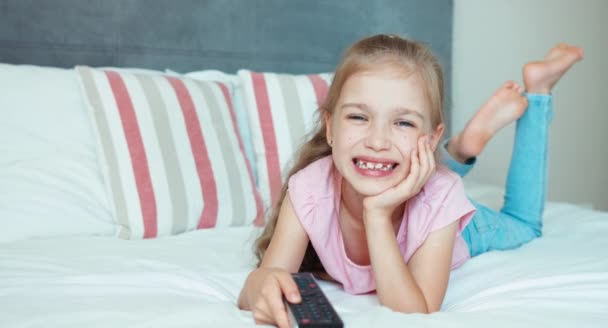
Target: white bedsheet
(193, 280)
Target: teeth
(374, 166)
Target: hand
(265, 290)
(422, 166)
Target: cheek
(408, 143)
(347, 137)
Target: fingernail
(294, 297)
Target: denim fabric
(520, 219)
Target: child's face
(375, 126)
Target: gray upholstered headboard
(292, 36)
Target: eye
(405, 124)
(356, 117)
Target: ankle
(539, 90)
(456, 151)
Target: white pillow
(138, 70)
(170, 153)
(50, 182)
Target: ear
(436, 136)
(328, 132)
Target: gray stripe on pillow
(295, 115)
(234, 181)
(175, 180)
(108, 149)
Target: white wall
(492, 40)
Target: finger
(292, 294)
(427, 163)
(270, 291)
(422, 151)
(430, 166)
(431, 157)
(261, 311)
(416, 167)
(270, 308)
(262, 319)
(265, 322)
(408, 184)
(424, 159)
(415, 163)
(412, 177)
(288, 287)
(279, 313)
(423, 163)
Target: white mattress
(193, 280)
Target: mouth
(368, 164)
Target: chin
(373, 188)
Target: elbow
(433, 309)
(409, 308)
(409, 303)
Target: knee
(537, 230)
(529, 231)
(533, 224)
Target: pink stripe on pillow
(208, 217)
(259, 219)
(137, 152)
(321, 88)
(270, 144)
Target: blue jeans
(520, 219)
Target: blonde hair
(387, 51)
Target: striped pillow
(170, 153)
(281, 110)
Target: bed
(79, 247)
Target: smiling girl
(366, 205)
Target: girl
(365, 203)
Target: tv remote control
(314, 310)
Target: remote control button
(315, 309)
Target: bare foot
(541, 76)
(505, 106)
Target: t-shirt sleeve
(308, 188)
(452, 206)
(302, 200)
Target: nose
(378, 137)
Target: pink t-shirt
(315, 193)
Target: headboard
(291, 36)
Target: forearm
(395, 285)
